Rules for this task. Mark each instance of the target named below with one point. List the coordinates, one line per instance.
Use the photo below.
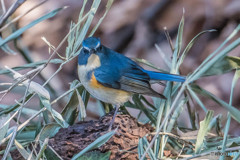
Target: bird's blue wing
(126, 75)
(108, 78)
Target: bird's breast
(96, 89)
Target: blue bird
(112, 77)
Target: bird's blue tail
(164, 76)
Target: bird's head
(90, 47)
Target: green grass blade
(33, 23)
(143, 108)
(42, 149)
(101, 110)
(168, 92)
(218, 142)
(147, 63)
(83, 98)
(14, 107)
(51, 154)
(75, 32)
(212, 60)
(215, 122)
(45, 114)
(30, 65)
(167, 108)
(176, 114)
(22, 150)
(226, 129)
(178, 45)
(227, 126)
(163, 109)
(217, 50)
(142, 145)
(82, 107)
(225, 65)
(80, 17)
(57, 116)
(95, 155)
(108, 6)
(160, 112)
(237, 156)
(193, 94)
(176, 88)
(140, 148)
(4, 125)
(31, 85)
(48, 131)
(232, 110)
(27, 135)
(148, 103)
(189, 46)
(26, 111)
(163, 56)
(7, 49)
(87, 24)
(71, 110)
(10, 142)
(71, 40)
(234, 83)
(203, 131)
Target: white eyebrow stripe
(98, 44)
(85, 47)
(91, 45)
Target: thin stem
(23, 124)
(11, 10)
(3, 6)
(66, 93)
(165, 119)
(10, 143)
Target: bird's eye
(85, 50)
(100, 47)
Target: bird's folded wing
(132, 80)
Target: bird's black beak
(93, 51)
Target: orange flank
(106, 94)
(94, 83)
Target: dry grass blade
(20, 16)
(10, 143)
(11, 10)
